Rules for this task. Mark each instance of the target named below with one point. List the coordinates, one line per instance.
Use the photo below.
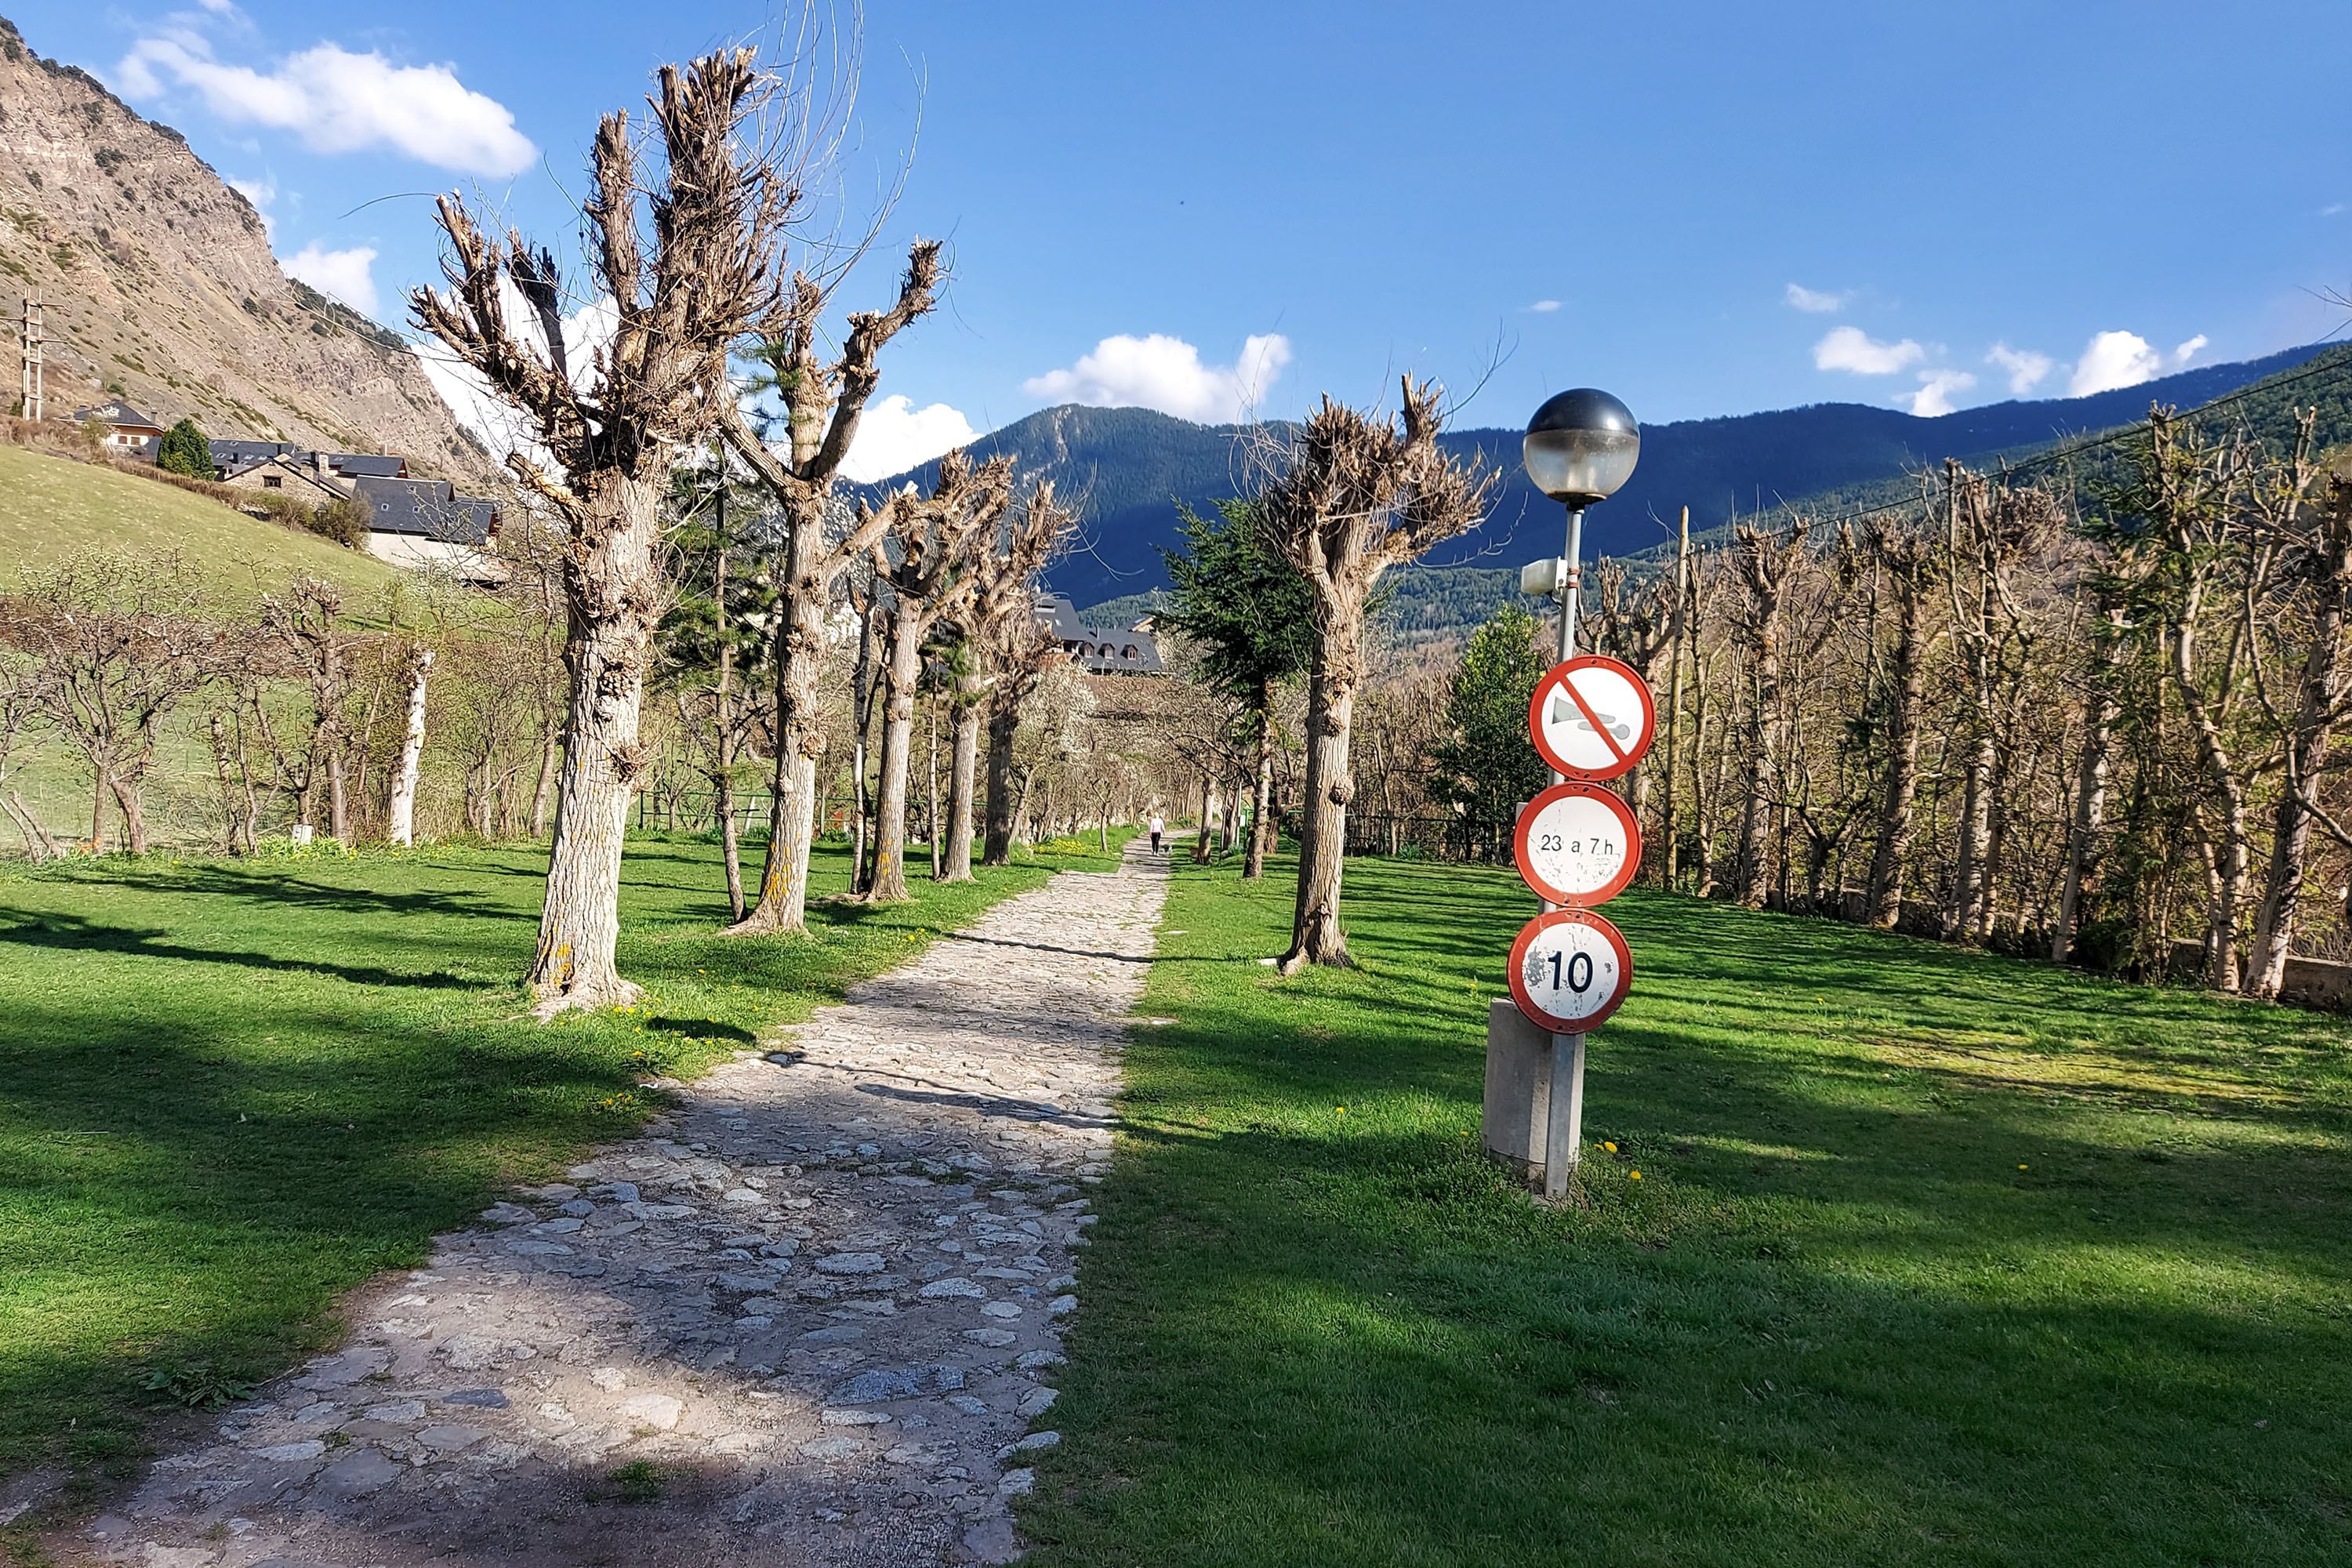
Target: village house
(129, 433)
(1103, 650)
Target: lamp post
(1580, 449)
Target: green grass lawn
(1934, 1257)
(229, 1092)
(52, 508)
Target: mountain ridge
(1128, 465)
(157, 279)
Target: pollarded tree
(612, 430)
(1356, 496)
(822, 402)
(938, 541)
(1015, 653)
(1252, 616)
(1001, 655)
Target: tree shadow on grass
(75, 933)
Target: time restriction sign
(1578, 843)
(1592, 717)
(1569, 970)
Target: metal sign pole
(1564, 1125)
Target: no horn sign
(1592, 717)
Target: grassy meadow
(231, 1090)
(1902, 1255)
(52, 508)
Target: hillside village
(410, 521)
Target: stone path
(810, 1318)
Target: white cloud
(1935, 389)
(1166, 373)
(895, 435)
(1814, 302)
(1544, 307)
(338, 101)
(2026, 368)
(2187, 350)
(2114, 360)
(1851, 349)
(345, 275)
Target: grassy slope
(1934, 1259)
(229, 1092)
(52, 507)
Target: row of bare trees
(2092, 717)
(305, 716)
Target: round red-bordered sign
(1578, 843)
(1592, 717)
(1570, 971)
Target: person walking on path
(1158, 827)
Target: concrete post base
(1518, 1113)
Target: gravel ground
(811, 1317)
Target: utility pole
(1674, 694)
(31, 392)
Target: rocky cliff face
(157, 280)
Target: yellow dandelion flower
(1611, 1147)
(2021, 1167)
(1637, 1175)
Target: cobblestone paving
(811, 1318)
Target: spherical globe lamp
(1581, 446)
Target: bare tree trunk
(2089, 794)
(1202, 840)
(613, 615)
(98, 810)
(134, 816)
(723, 782)
(2231, 852)
(888, 883)
(38, 842)
(931, 800)
(961, 780)
(1316, 936)
(219, 733)
(2314, 732)
(1976, 801)
(1233, 815)
(1260, 836)
(401, 820)
(1888, 859)
(1003, 721)
(782, 904)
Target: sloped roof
(426, 508)
(365, 465)
(116, 412)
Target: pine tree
(184, 450)
(1487, 764)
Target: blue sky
(1707, 208)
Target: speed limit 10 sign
(1592, 717)
(1578, 843)
(1569, 970)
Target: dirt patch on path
(810, 1318)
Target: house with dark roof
(426, 523)
(1102, 650)
(129, 433)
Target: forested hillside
(1130, 465)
